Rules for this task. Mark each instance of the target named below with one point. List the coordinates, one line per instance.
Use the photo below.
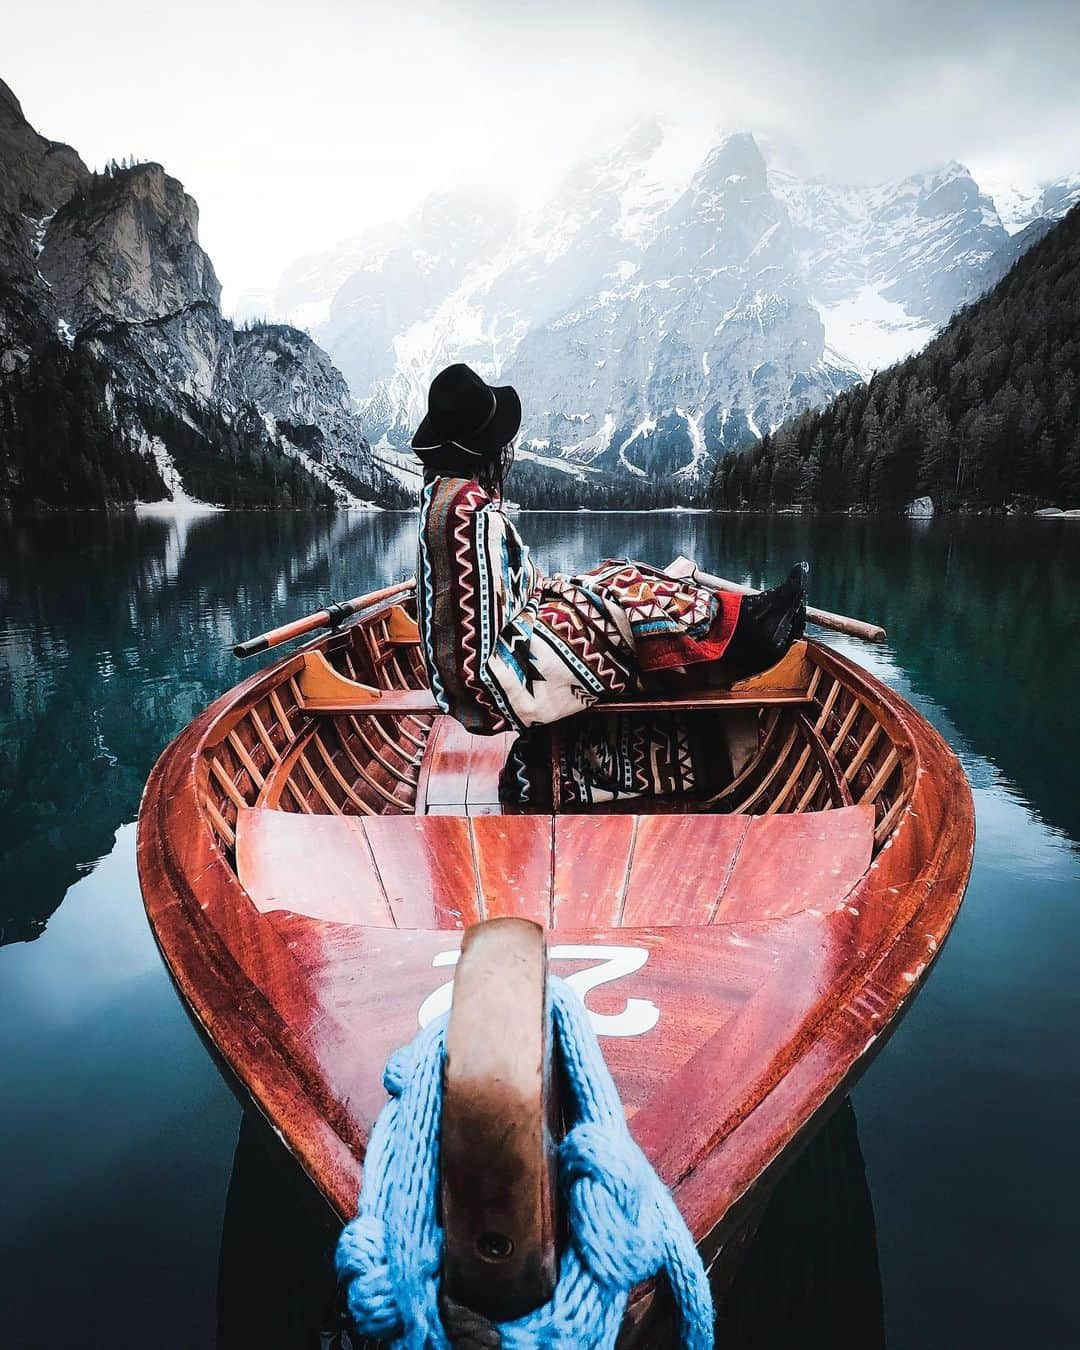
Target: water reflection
(116, 1134)
(810, 1277)
(276, 1285)
(115, 631)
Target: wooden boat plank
(426, 867)
(709, 698)
(513, 865)
(461, 770)
(680, 1127)
(488, 757)
(680, 867)
(566, 871)
(420, 701)
(792, 862)
(321, 866)
(591, 866)
(637, 984)
(450, 758)
(412, 702)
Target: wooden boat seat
(325, 690)
(450, 871)
(459, 774)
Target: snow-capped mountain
(700, 332)
(672, 298)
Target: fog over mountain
(295, 126)
(674, 297)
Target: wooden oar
(324, 618)
(840, 623)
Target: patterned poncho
(507, 648)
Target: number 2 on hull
(606, 964)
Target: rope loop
(398, 1071)
(371, 1296)
(624, 1225)
(613, 1223)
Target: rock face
(127, 247)
(394, 283)
(672, 299)
(690, 348)
(922, 244)
(305, 402)
(36, 175)
(1033, 218)
(125, 380)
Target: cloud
(295, 126)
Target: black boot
(767, 626)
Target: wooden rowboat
(312, 846)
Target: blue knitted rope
(624, 1225)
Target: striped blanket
(508, 648)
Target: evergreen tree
(985, 416)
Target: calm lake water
(117, 1137)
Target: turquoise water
(117, 1136)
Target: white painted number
(605, 964)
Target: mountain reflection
(116, 631)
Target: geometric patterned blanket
(507, 647)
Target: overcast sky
(296, 122)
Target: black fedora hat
(466, 413)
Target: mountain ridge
(646, 313)
(122, 381)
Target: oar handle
(839, 623)
(324, 618)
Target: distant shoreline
(192, 510)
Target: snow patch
(645, 427)
(592, 447)
(870, 332)
(179, 503)
(697, 441)
(402, 466)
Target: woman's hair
(492, 476)
(490, 472)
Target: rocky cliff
(36, 175)
(123, 379)
(125, 246)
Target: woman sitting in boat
(510, 649)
